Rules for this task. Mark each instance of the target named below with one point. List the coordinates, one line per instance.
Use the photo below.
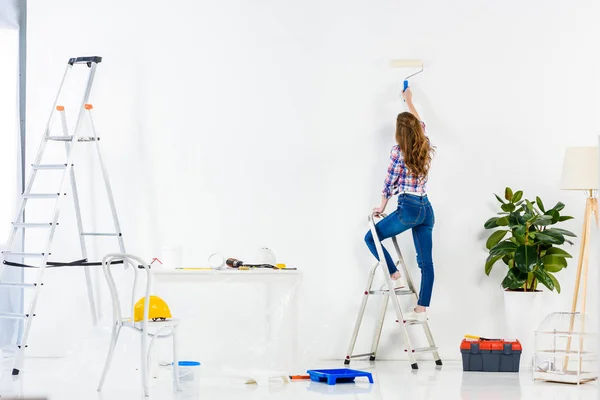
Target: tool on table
(235, 263)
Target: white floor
(59, 379)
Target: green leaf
(517, 196)
(544, 237)
(543, 277)
(503, 248)
(555, 251)
(564, 232)
(508, 207)
(519, 234)
(542, 220)
(540, 204)
(502, 221)
(554, 214)
(514, 279)
(529, 206)
(555, 281)
(526, 258)
(564, 218)
(558, 207)
(495, 238)
(554, 263)
(489, 263)
(499, 199)
(491, 223)
(508, 194)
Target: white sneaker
(412, 315)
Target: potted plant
(526, 241)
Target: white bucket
(189, 376)
(171, 257)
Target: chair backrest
(135, 263)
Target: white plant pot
(522, 314)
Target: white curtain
(10, 149)
(9, 14)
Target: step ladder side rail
(391, 288)
(33, 172)
(431, 341)
(405, 271)
(82, 243)
(361, 312)
(32, 305)
(379, 327)
(109, 191)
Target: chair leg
(111, 350)
(144, 365)
(176, 361)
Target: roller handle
(405, 86)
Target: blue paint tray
(333, 376)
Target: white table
(222, 309)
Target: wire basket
(566, 347)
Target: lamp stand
(591, 207)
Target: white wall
(232, 125)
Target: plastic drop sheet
(233, 319)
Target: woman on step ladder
(410, 160)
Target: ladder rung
(361, 355)
(403, 292)
(424, 350)
(31, 255)
(49, 166)
(70, 138)
(413, 322)
(33, 224)
(18, 284)
(98, 234)
(13, 316)
(41, 195)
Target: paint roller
(403, 63)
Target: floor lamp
(581, 172)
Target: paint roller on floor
(405, 63)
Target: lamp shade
(580, 169)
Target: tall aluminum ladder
(410, 291)
(17, 259)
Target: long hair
(414, 145)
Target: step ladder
(410, 291)
(19, 259)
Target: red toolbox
(491, 355)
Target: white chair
(153, 329)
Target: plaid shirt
(399, 179)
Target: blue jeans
(414, 213)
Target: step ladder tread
(41, 195)
(425, 349)
(13, 316)
(99, 234)
(33, 224)
(49, 166)
(70, 138)
(402, 292)
(18, 284)
(17, 254)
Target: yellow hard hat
(158, 309)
